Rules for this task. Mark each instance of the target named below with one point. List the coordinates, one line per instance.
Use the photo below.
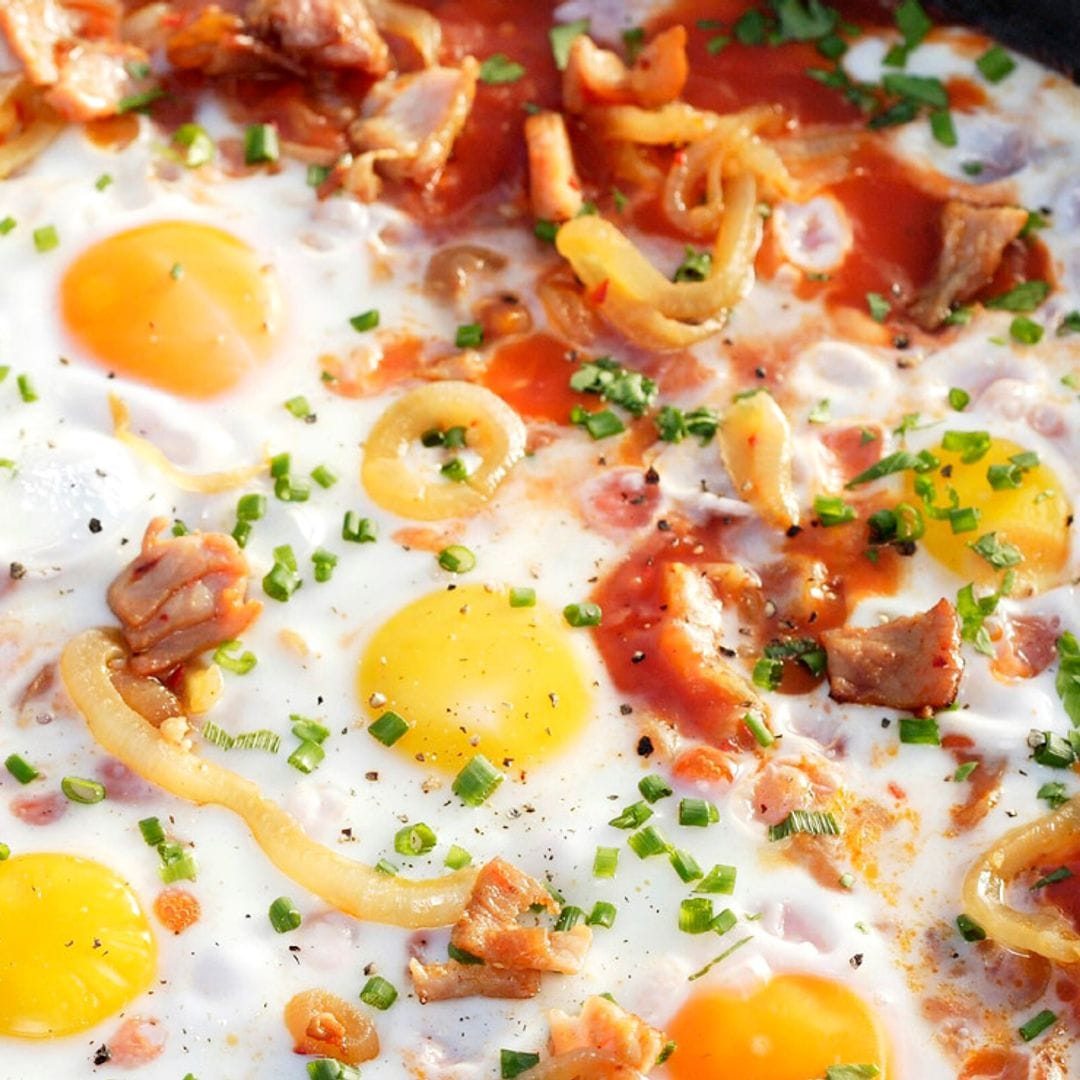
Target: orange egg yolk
(471, 674)
(1031, 516)
(791, 1028)
(183, 306)
(75, 946)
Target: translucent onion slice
(639, 300)
(581, 1065)
(393, 473)
(352, 887)
(757, 447)
(27, 125)
(204, 483)
(673, 124)
(413, 24)
(1046, 933)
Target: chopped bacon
(441, 982)
(909, 663)
(596, 76)
(93, 79)
(39, 809)
(137, 1041)
(412, 121)
(554, 187)
(216, 42)
(488, 928)
(974, 239)
(604, 1026)
(181, 596)
(33, 29)
(324, 33)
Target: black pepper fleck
(94, 525)
(644, 746)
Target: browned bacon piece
(974, 239)
(441, 982)
(909, 663)
(181, 596)
(324, 33)
(488, 928)
(604, 1026)
(554, 187)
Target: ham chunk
(603, 1026)
(974, 239)
(411, 122)
(442, 982)
(909, 663)
(324, 33)
(181, 596)
(554, 187)
(488, 928)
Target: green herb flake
(499, 69)
(995, 64)
(562, 37)
(879, 307)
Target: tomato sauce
(1064, 895)
(533, 375)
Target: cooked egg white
(267, 282)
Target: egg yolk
(1031, 517)
(183, 306)
(791, 1028)
(471, 674)
(75, 946)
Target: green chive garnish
(284, 916)
(80, 790)
(378, 993)
(477, 781)
(388, 728)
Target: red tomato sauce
(533, 375)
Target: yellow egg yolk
(471, 674)
(1031, 517)
(183, 306)
(75, 946)
(791, 1028)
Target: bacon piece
(411, 122)
(216, 42)
(554, 187)
(488, 927)
(323, 33)
(441, 982)
(93, 79)
(973, 240)
(138, 1040)
(909, 663)
(181, 596)
(33, 29)
(604, 1026)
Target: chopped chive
(685, 865)
(152, 832)
(102, 182)
(1062, 873)
(21, 769)
(721, 958)
(767, 673)
(697, 813)
(514, 1062)
(260, 144)
(456, 559)
(605, 862)
(959, 399)
(602, 914)
(307, 757)
(477, 781)
(522, 597)
(196, 145)
(569, 917)
(378, 993)
(469, 336)
(284, 916)
(357, 529)
(653, 788)
(970, 445)
(964, 771)
(281, 582)
(455, 470)
(964, 519)
(1040, 1021)
(546, 231)
(1051, 749)
(942, 127)
(457, 858)
(499, 69)
(900, 461)
(324, 476)
(632, 817)
(80, 790)
(176, 271)
(366, 320)
(26, 389)
(330, 1069)
(647, 842)
(7, 224)
(724, 921)
(388, 728)
(695, 915)
(251, 507)
(224, 656)
(584, 614)
(317, 175)
(176, 863)
(762, 735)
(414, 840)
(384, 866)
(1024, 298)
(324, 561)
(998, 553)
(720, 879)
(140, 102)
(832, 510)
(288, 489)
(562, 37)
(811, 822)
(916, 730)
(1054, 793)
(299, 407)
(1026, 331)
(878, 306)
(280, 465)
(600, 425)
(5, 852)
(995, 64)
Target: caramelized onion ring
(413, 24)
(204, 483)
(1043, 932)
(581, 1065)
(352, 887)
